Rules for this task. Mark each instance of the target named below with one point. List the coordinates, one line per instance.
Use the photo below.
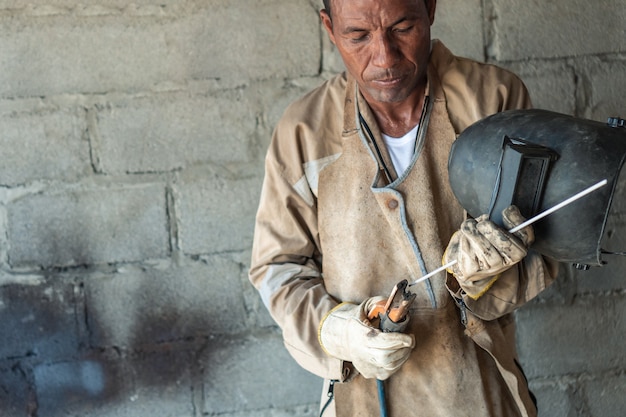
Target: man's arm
(286, 263)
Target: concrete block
(273, 378)
(63, 386)
(553, 400)
(274, 97)
(605, 396)
(168, 133)
(143, 307)
(217, 214)
(552, 85)
(59, 53)
(88, 227)
(162, 386)
(43, 146)
(583, 337)
(608, 83)
(16, 398)
(38, 320)
(311, 410)
(71, 5)
(609, 277)
(101, 386)
(272, 39)
(459, 24)
(530, 29)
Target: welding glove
(482, 250)
(346, 333)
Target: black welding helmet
(536, 159)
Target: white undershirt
(401, 149)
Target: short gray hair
(327, 6)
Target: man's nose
(385, 52)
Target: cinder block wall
(132, 140)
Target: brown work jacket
(331, 229)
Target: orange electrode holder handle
(395, 310)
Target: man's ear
(328, 24)
(431, 5)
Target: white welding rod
(524, 224)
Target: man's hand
(483, 250)
(346, 334)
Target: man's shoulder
(310, 128)
(317, 115)
(458, 69)
(474, 90)
(328, 97)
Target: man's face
(385, 44)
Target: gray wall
(132, 140)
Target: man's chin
(387, 96)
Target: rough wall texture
(132, 140)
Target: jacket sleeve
(286, 260)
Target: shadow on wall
(134, 343)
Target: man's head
(384, 44)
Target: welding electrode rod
(524, 224)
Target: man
(356, 198)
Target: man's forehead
(388, 11)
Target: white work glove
(346, 333)
(483, 250)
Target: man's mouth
(387, 82)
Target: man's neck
(396, 119)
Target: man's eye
(356, 38)
(404, 29)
